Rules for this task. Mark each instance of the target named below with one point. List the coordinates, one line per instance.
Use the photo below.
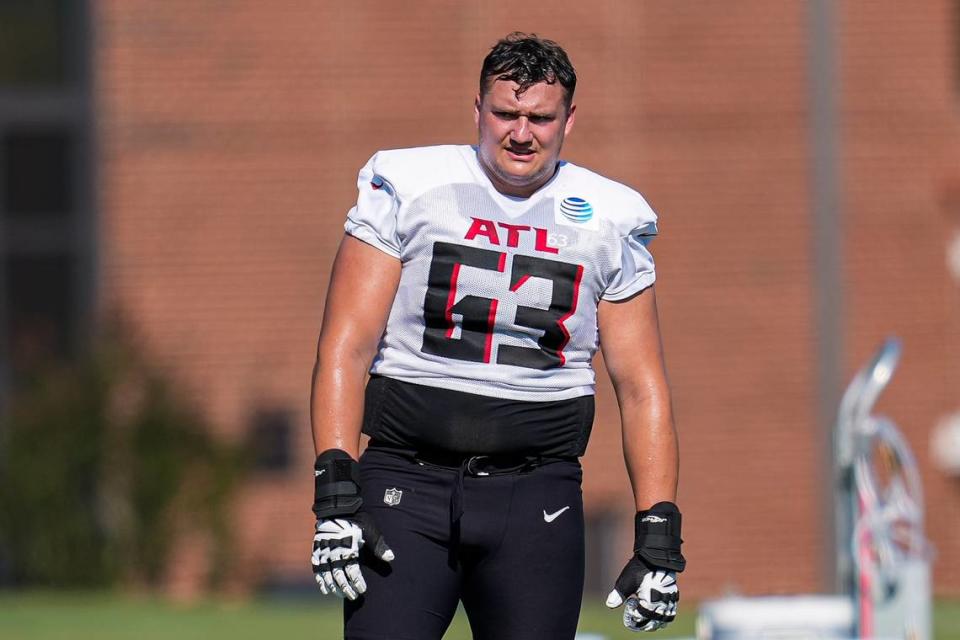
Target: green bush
(101, 467)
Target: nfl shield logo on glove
(392, 496)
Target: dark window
(604, 557)
(37, 172)
(270, 440)
(33, 43)
(40, 298)
(46, 230)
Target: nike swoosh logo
(550, 517)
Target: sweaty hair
(527, 59)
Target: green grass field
(107, 617)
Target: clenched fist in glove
(342, 528)
(648, 583)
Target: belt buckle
(470, 469)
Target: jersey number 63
(479, 313)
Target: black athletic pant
(514, 557)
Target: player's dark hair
(527, 59)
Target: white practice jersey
(498, 295)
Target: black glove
(342, 528)
(649, 580)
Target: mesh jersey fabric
(498, 295)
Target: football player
(474, 285)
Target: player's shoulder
(417, 169)
(611, 201)
(430, 155)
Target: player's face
(521, 136)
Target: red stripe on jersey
(573, 309)
(452, 299)
(491, 319)
(520, 282)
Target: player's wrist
(336, 486)
(657, 538)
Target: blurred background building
(187, 165)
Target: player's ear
(476, 110)
(571, 112)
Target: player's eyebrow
(520, 112)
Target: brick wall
(230, 134)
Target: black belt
(480, 465)
(476, 466)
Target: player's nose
(521, 133)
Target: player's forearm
(650, 449)
(361, 291)
(336, 401)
